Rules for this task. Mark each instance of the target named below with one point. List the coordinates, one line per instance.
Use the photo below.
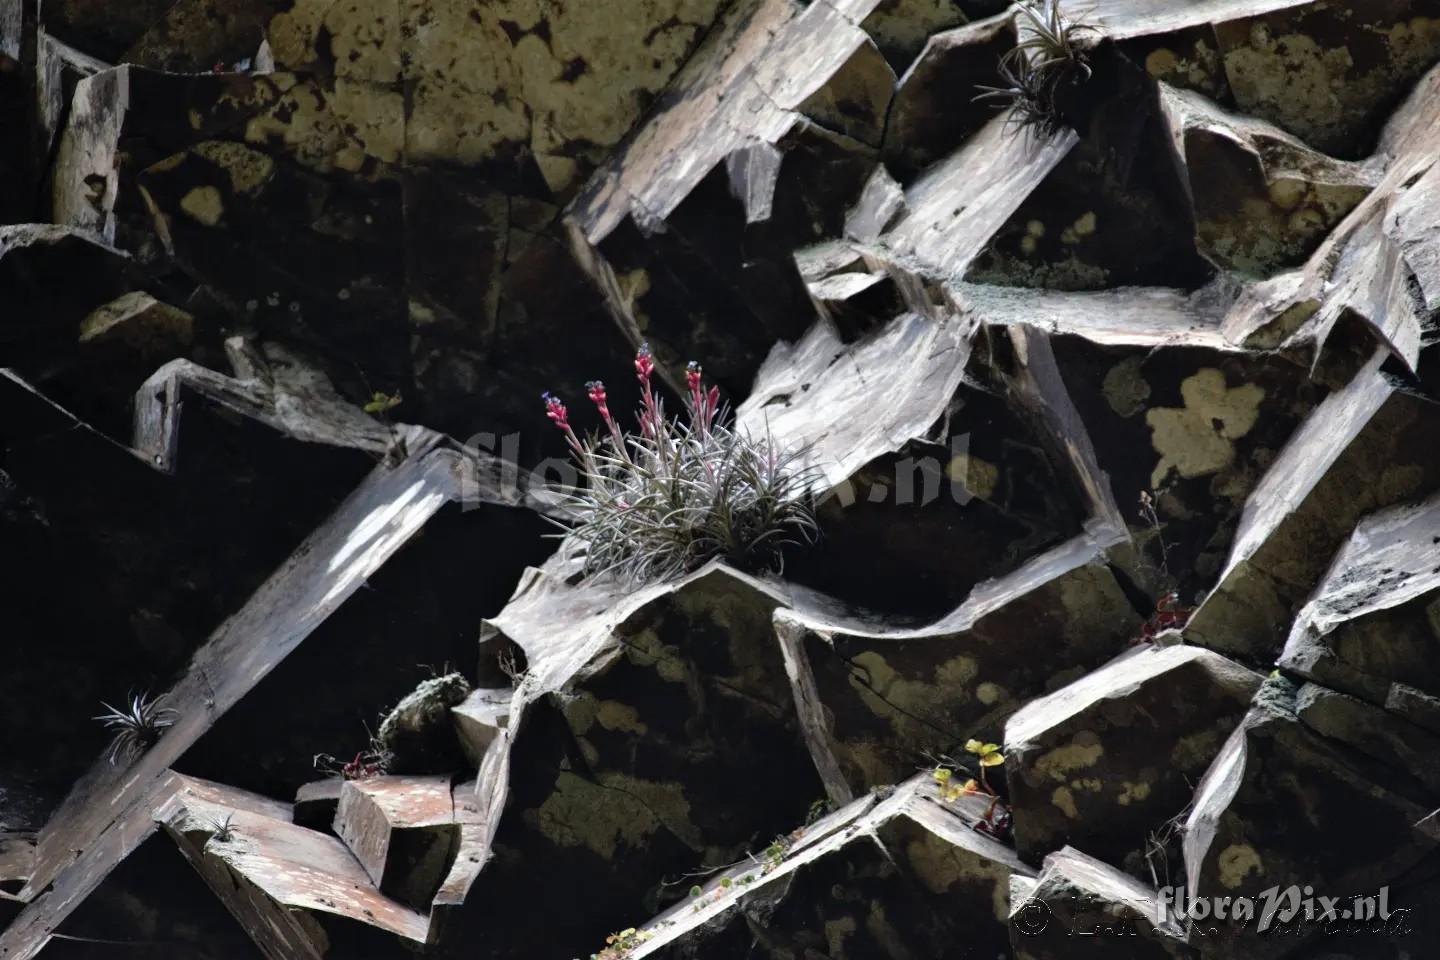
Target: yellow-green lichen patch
(888, 694)
(940, 865)
(617, 810)
(990, 693)
(1082, 752)
(1196, 69)
(1125, 387)
(1236, 862)
(1083, 227)
(566, 81)
(1323, 72)
(248, 169)
(837, 931)
(644, 648)
(141, 321)
(976, 476)
(349, 127)
(584, 711)
(1064, 801)
(1198, 438)
(1089, 596)
(1278, 228)
(1132, 792)
(203, 205)
(1289, 78)
(463, 106)
(1195, 751)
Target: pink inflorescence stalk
(702, 403)
(555, 410)
(650, 415)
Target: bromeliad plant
(137, 727)
(1037, 72)
(658, 503)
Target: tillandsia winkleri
(1041, 68)
(137, 726)
(658, 503)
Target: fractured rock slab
(1366, 446)
(876, 702)
(316, 802)
(1372, 621)
(299, 893)
(891, 877)
(479, 719)
(1101, 762)
(1236, 846)
(1080, 906)
(926, 122)
(1262, 200)
(632, 711)
(689, 228)
(403, 832)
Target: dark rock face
(1121, 433)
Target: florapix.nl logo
(920, 476)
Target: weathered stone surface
(1104, 216)
(926, 122)
(623, 721)
(403, 832)
(1326, 72)
(478, 720)
(1370, 621)
(1080, 906)
(454, 209)
(1361, 449)
(315, 803)
(1101, 762)
(1236, 846)
(1262, 200)
(59, 70)
(1409, 750)
(396, 501)
(989, 177)
(877, 702)
(198, 36)
(932, 471)
(689, 228)
(286, 884)
(856, 98)
(1361, 272)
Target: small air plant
(222, 831)
(658, 503)
(137, 728)
(1037, 71)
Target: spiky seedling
(137, 727)
(221, 831)
(658, 503)
(1035, 73)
